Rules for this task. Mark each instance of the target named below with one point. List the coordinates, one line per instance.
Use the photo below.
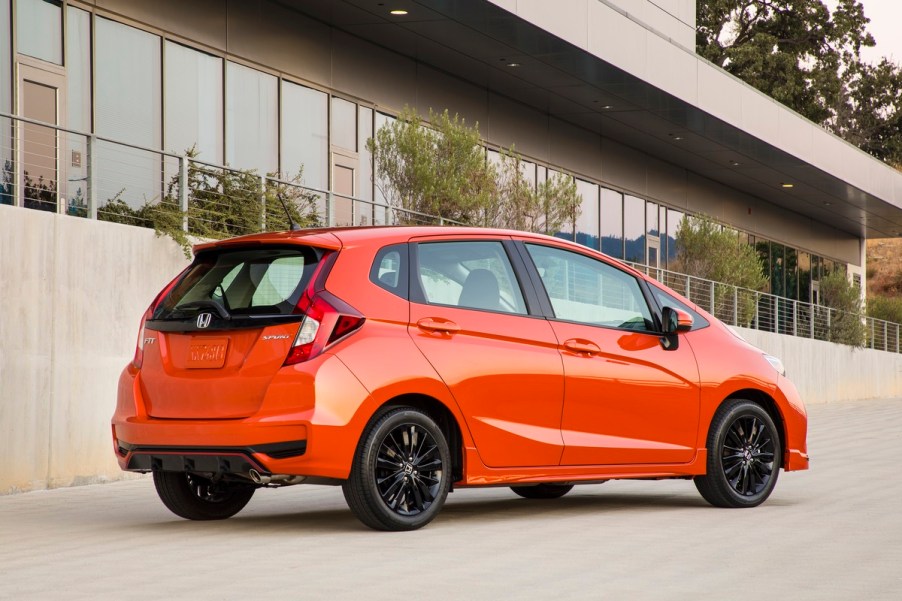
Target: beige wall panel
(513, 123)
(575, 149)
(617, 39)
(442, 91)
(624, 167)
(717, 98)
(705, 196)
(268, 34)
(369, 72)
(200, 20)
(567, 19)
(667, 183)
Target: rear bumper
(308, 425)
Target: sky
(885, 26)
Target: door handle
(582, 346)
(432, 324)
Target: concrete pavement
(834, 532)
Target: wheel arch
(442, 415)
(768, 403)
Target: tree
(794, 51)
(707, 250)
(222, 203)
(800, 54)
(846, 326)
(440, 169)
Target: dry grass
(884, 267)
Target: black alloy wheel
(743, 456)
(401, 473)
(195, 497)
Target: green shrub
(846, 325)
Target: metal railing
(746, 308)
(85, 175)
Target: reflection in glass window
(763, 249)
(791, 271)
(6, 106)
(305, 133)
(40, 27)
(587, 222)
(651, 218)
(612, 223)
(674, 219)
(382, 215)
(567, 232)
(476, 275)
(589, 291)
(344, 124)
(252, 101)
(193, 102)
(777, 269)
(365, 132)
(78, 94)
(128, 107)
(634, 228)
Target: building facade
(609, 91)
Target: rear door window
(469, 274)
(236, 283)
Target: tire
(401, 472)
(543, 491)
(744, 456)
(197, 498)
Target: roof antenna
(294, 227)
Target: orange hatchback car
(404, 362)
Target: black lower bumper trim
(217, 460)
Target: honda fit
(402, 363)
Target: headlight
(776, 364)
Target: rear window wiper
(181, 310)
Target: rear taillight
(327, 319)
(138, 359)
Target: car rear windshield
(259, 281)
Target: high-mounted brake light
(327, 319)
(138, 359)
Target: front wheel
(194, 497)
(743, 456)
(401, 473)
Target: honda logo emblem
(204, 319)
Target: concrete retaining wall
(826, 372)
(74, 290)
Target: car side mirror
(675, 320)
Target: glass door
(40, 170)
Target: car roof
(336, 237)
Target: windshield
(261, 281)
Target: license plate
(207, 353)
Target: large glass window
(674, 220)
(128, 108)
(6, 106)
(475, 275)
(587, 222)
(804, 261)
(78, 84)
(40, 27)
(305, 133)
(365, 132)
(791, 272)
(193, 102)
(252, 119)
(612, 223)
(777, 269)
(382, 215)
(634, 228)
(344, 124)
(589, 291)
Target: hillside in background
(884, 267)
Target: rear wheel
(543, 491)
(401, 472)
(194, 497)
(743, 456)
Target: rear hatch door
(224, 331)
